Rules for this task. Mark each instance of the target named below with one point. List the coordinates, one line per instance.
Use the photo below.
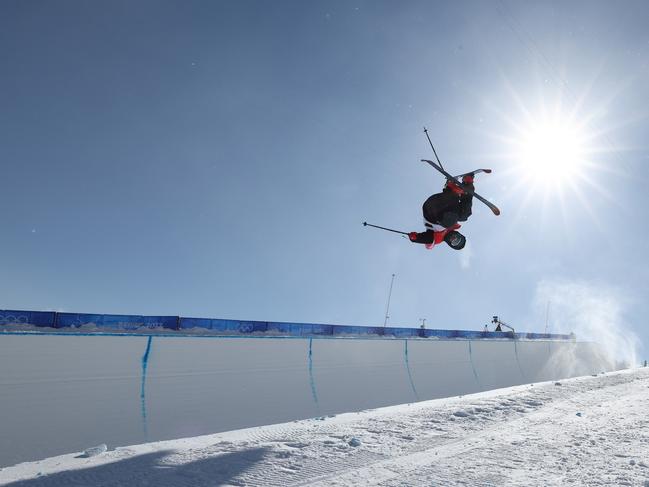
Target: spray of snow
(593, 311)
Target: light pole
(387, 308)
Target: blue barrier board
(141, 323)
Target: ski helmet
(455, 240)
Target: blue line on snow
(518, 361)
(412, 384)
(145, 363)
(475, 372)
(311, 379)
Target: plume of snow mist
(594, 312)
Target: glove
(467, 184)
(412, 236)
(467, 178)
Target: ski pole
(431, 146)
(384, 228)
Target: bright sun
(552, 156)
(552, 149)
(551, 152)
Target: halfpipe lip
(201, 334)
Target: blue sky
(218, 158)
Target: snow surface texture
(586, 431)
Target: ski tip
(364, 224)
(488, 171)
(496, 211)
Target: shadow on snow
(151, 470)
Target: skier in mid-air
(442, 212)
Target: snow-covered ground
(586, 431)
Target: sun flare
(551, 152)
